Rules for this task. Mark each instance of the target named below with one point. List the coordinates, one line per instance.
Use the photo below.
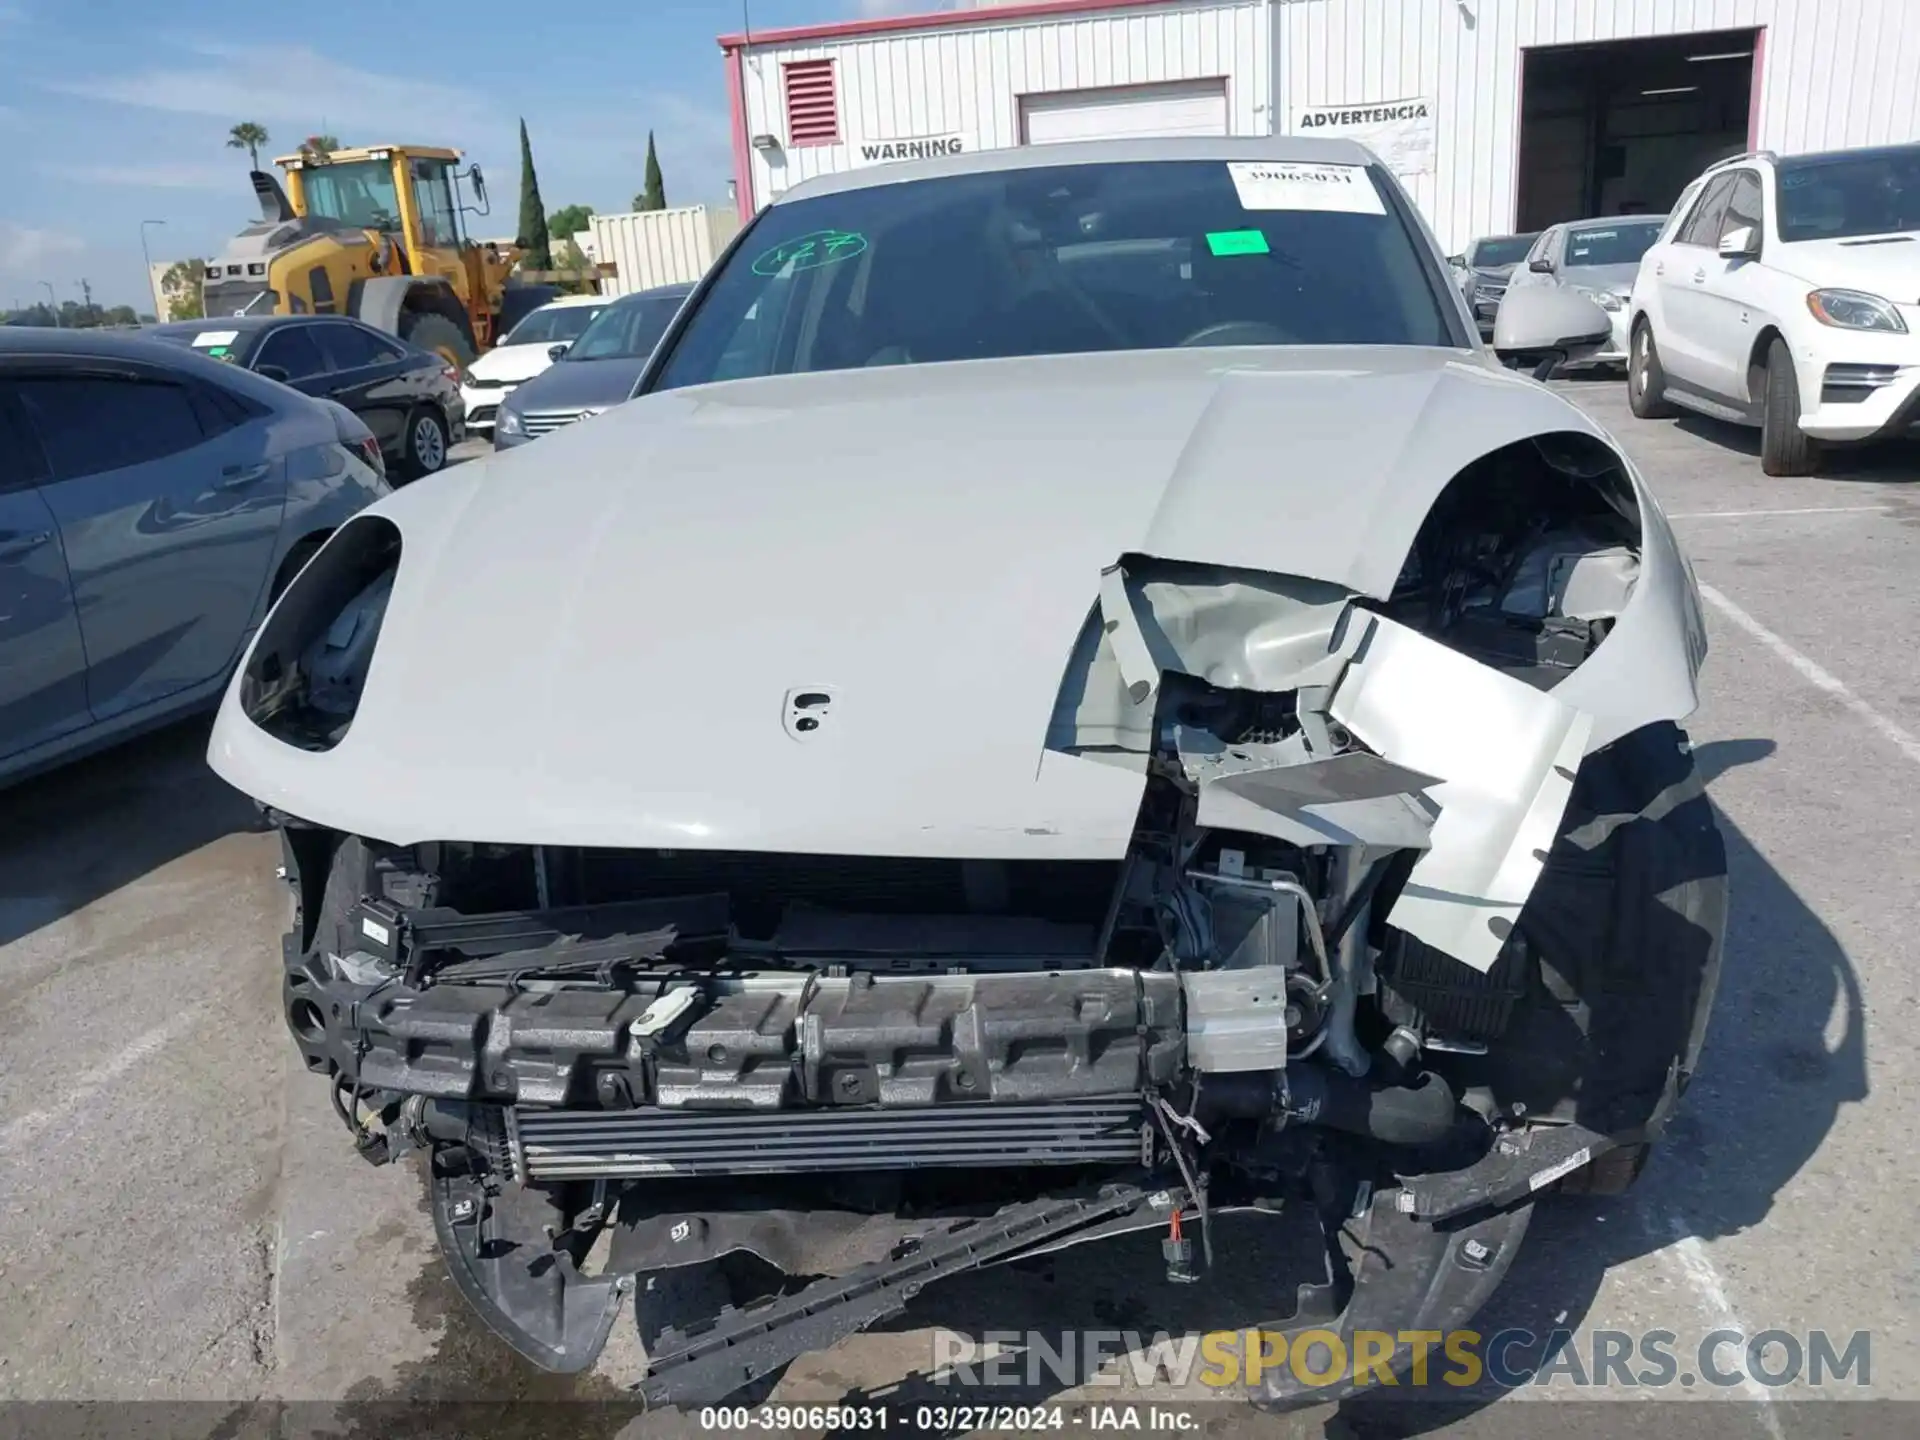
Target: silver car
(1075, 699)
(153, 502)
(1593, 261)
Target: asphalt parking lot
(182, 1219)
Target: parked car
(528, 349)
(1786, 294)
(152, 504)
(408, 397)
(1484, 270)
(594, 373)
(1591, 263)
(1075, 698)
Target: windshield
(359, 192)
(552, 325)
(1501, 250)
(1611, 244)
(1825, 198)
(632, 327)
(1065, 259)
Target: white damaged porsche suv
(1076, 700)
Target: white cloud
(160, 175)
(297, 90)
(23, 248)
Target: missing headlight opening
(1410, 930)
(303, 680)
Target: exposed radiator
(613, 1144)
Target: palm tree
(249, 137)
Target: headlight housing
(1605, 299)
(508, 422)
(1855, 310)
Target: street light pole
(53, 302)
(153, 288)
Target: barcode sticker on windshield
(215, 337)
(1270, 185)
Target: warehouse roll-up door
(1196, 107)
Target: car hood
(1884, 265)
(594, 640)
(511, 363)
(1618, 279)
(1493, 272)
(580, 384)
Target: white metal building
(1500, 115)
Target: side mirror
(479, 184)
(274, 372)
(1742, 243)
(1458, 262)
(1542, 266)
(557, 352)
(1537, 320)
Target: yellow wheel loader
(373, 232)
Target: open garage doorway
(1621, 127)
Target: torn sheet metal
(1506, 754)
(1284, 791)
(1229, 628)
(1122, 626)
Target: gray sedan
(152, 504)
(595, 372)
(1484, 271)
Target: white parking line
(1804, 510)
(1697, 1269)
(25, 1128)
(1903, 740)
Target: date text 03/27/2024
(947, 1419)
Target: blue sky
(117, 111)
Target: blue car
(153, 503)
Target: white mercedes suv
(1784, 292)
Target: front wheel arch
(1757, 362)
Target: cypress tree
(654, 196)
(533, 238)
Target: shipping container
(661, 247)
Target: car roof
(112, 344)
(677, 291)
(1835, 157)
(240, 324)
(1274, 148)
(139, 346)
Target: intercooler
(621, 1144)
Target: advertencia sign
(919, 147)
(1400, 132)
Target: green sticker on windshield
(810, 252)
(1238, 242)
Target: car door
(291, 355)
(1546, 248)
(1724, 298)
(1646, 288)
(370, 376)
(43, 665)
(1681, 275)
(168, 504)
